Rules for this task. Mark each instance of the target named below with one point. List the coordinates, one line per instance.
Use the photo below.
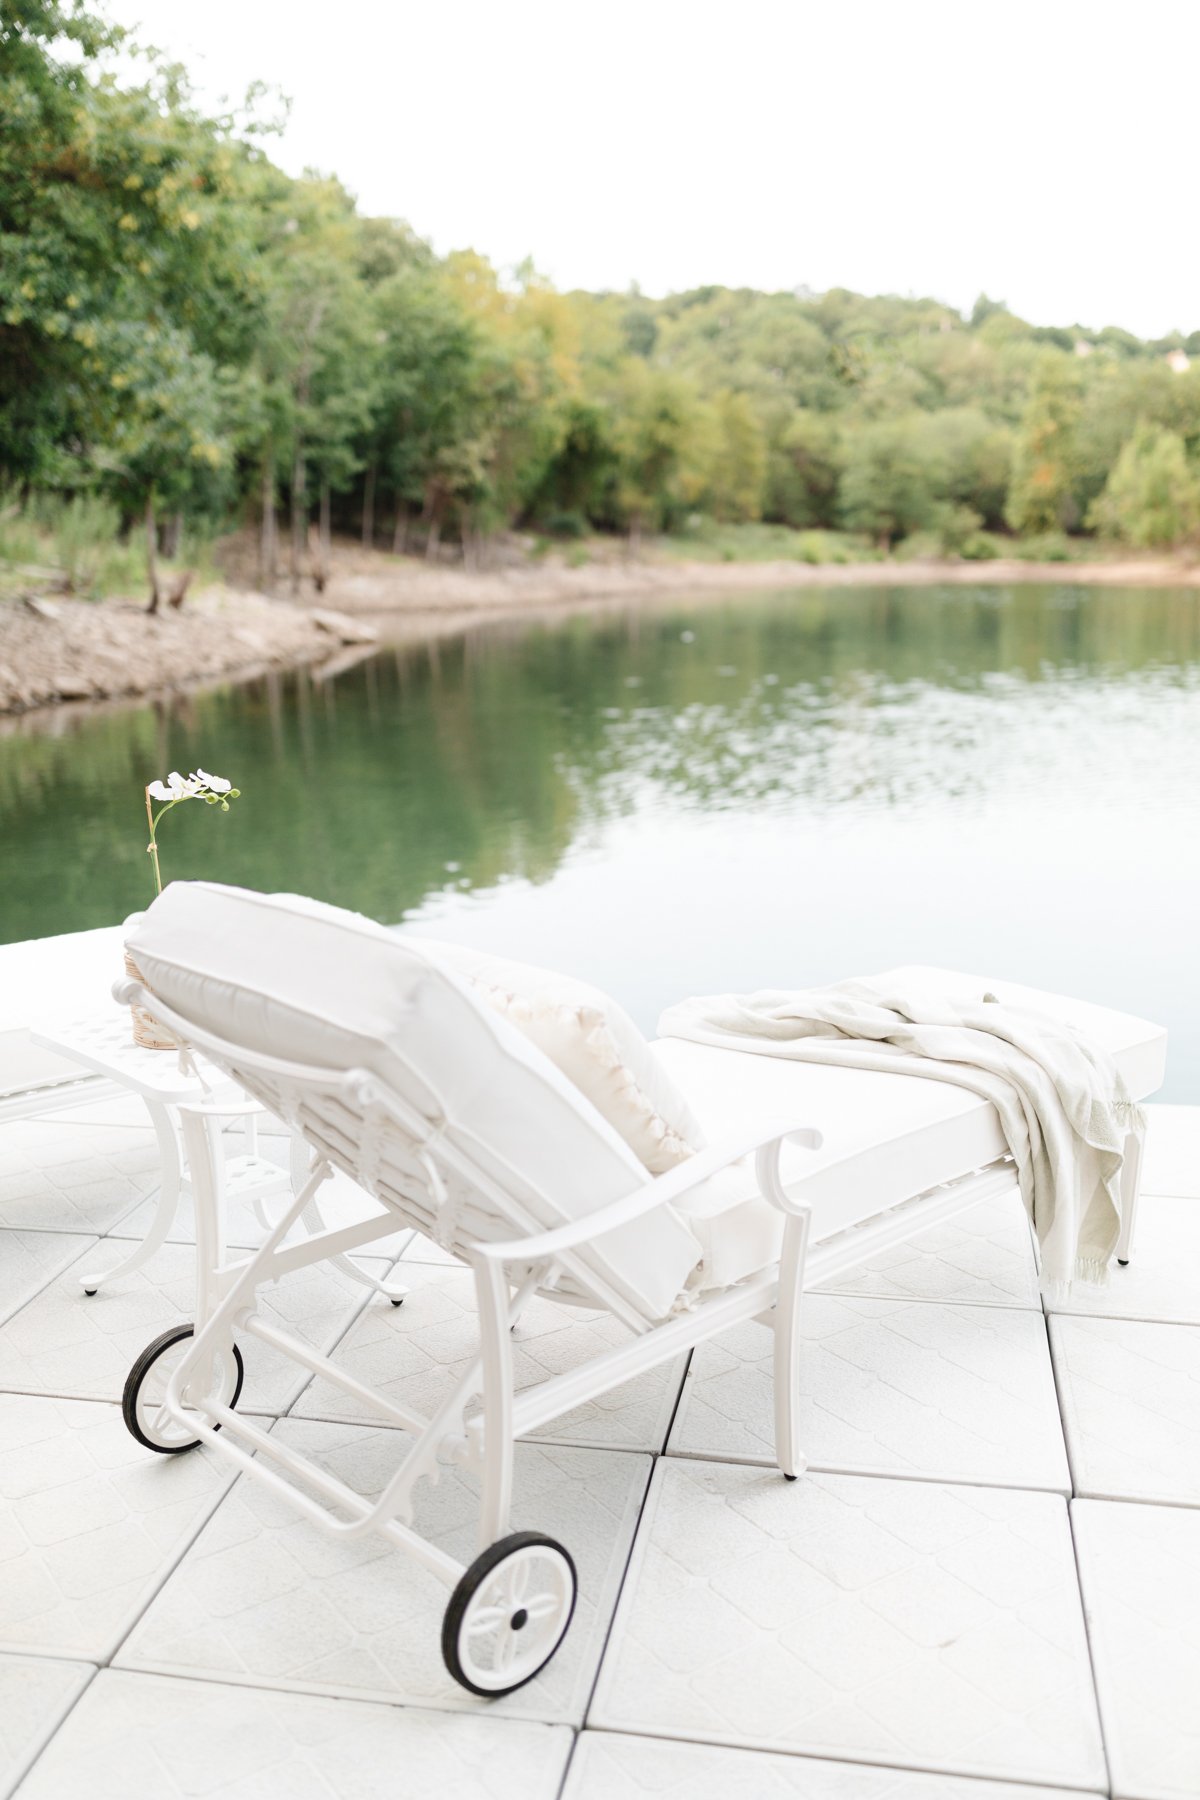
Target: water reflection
(777, 787)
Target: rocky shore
(56, 649)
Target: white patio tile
(1140, 1567)
(610, 1766)
(1131, 1406)
(29, 1259)
(91, 1523)
(265, 1597)
(339, 1201)
(144, 1737)
(1172, 1164)
(416, 1352)
(985, 1257)
(1162, 1280)
(891, 1387)
(76, 1172)
(895, 1622)
(35, 1695)
(67, 1342)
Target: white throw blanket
(1063, 1105)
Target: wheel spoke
(543, 1606)
(486, 1619)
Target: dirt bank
(407, 599)
(71, 650)
(56, 649)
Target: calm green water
(777, 789)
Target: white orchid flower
(175, 787)
(214, 790)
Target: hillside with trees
(191, 339)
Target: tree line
(196, 336)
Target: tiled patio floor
(988, 1585)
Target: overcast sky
(1043, 153)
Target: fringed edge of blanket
(1093, 1270)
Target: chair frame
(480, 1420)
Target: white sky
(1043, 153)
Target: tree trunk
(400, 530)
(152, 552)
(464, 532)
(299, 515)
(635, 535)
(434, 536)
(368, 513)
(268, 536)
(324, 535)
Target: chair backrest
(312, 985)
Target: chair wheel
(509, 1613)
(146, 1385)
(399, 1302)
(89, 1292)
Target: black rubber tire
(470, 1580)
(138, 1373)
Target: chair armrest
(766, 1140)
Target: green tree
(892, 480)
(1041, 493)
(1152, 497)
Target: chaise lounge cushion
(595, 1044)
(315, 985)
(886, 1137)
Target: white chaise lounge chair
(403, 1075)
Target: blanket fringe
(1091, 1270)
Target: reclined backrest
(315, 985)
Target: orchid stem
(152, 847)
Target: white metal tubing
(550, 1399)
(1131, 1185)
(213, 1314)
(364, 1518)
(169, 1184)
(662, 1191)
(857, 1243)
(256, 1326)
(787, 1344)
(498, 1312)
(329, 1244)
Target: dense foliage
(187, 333)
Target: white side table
(103, 1044)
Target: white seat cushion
(887, 1138)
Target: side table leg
(313, 1222)
(167, 1205)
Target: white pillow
(593, 1042)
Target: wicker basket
(145, 1032)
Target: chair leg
(170, 1182)
(495, 1321)
(787, 1347)
(1131, 1187)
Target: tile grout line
(52, 1735)
(941, 1774)
(1083, 1611)
(658, 1456)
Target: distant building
(1179, 360)
(1083, 348)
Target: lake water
(768, 790)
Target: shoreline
(56, 652)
